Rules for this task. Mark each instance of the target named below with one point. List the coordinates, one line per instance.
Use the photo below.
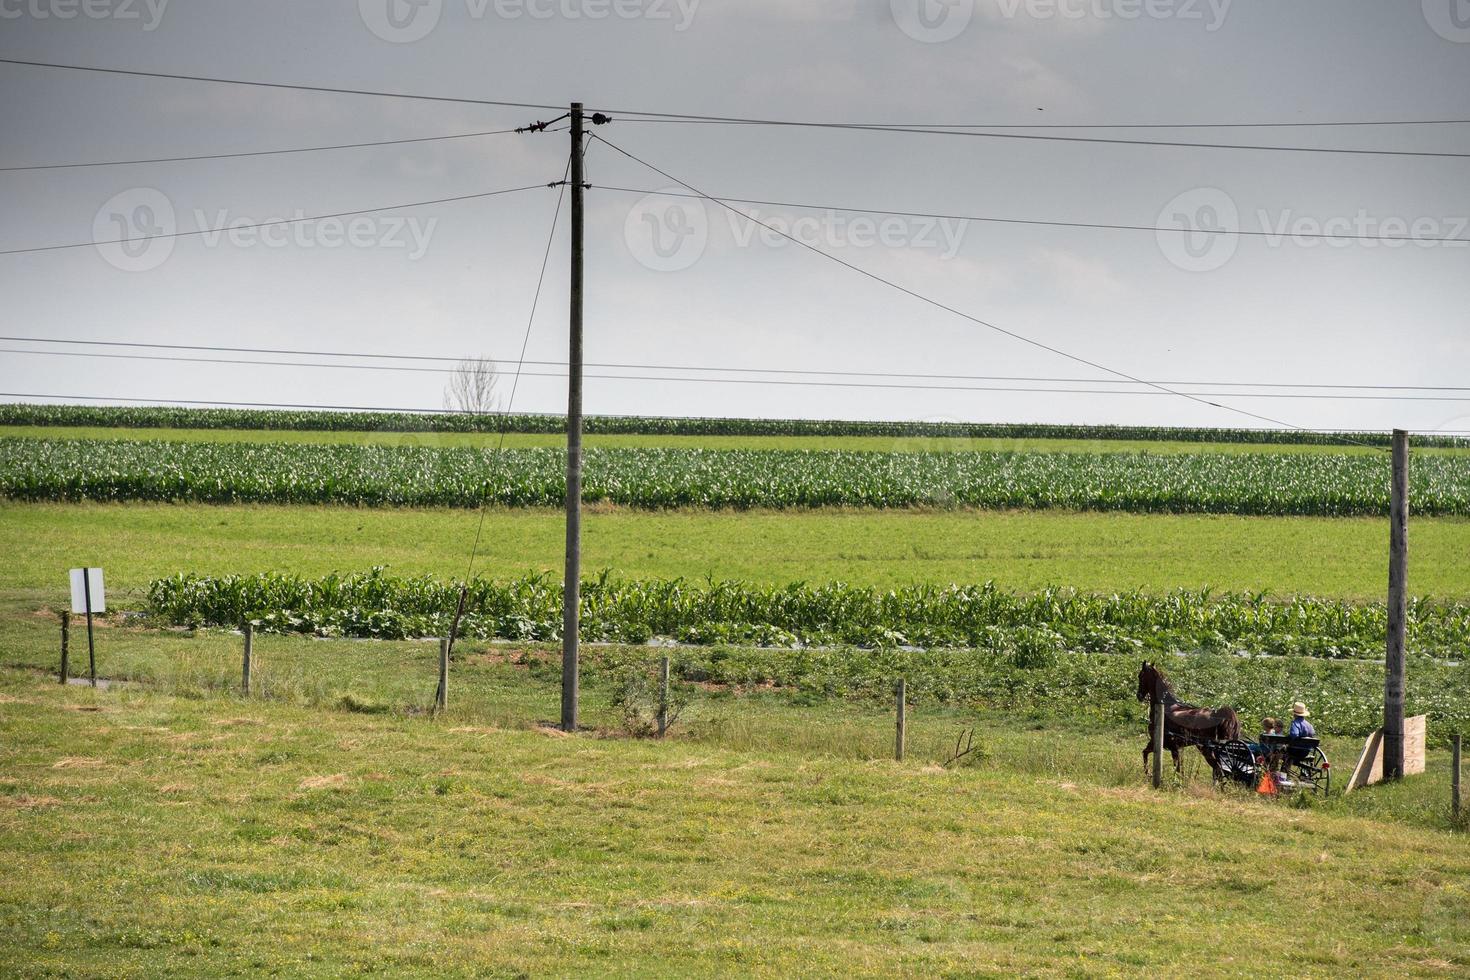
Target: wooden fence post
(91, 647)
(65, 645)
(1156, 726)
(249, 632)
(1455, 801)
(898, 738)
(441, 697)
(663, 696)
(1398, 577)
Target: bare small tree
(472, 387)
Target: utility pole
(1398, 577)
(572, 585)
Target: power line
(1277, 124)
(1316, 396)
(950, 309)
(280, 85)
(733, 120)
(625, 366)
(279, 221)
(163, 402)
(628, 116)
(1034, 221)
(254, 153)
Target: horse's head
(1149, 679)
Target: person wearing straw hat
(1300, 726)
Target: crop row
(1319, 484)
(1029, 629)
(340, 421)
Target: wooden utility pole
(1398, 575)
(572, 584)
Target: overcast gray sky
(672, 282)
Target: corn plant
(386, 476)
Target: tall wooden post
(65, 645)
(1398, 575)
(902, 721)
(1156, 732)
(249, 631)
(572, 583)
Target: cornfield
(1260, 483)
(338, 421)
(1029, 628)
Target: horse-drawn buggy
(1273, 764)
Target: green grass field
(854, 443)
(327, 826)
(1022, 550)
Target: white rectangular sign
(80, 586)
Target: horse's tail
(1229, 724)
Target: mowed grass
(170, 827)
(1329, 557)
(884, 444)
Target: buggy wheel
(1313, 771)
(1236, 763)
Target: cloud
(1087, 279)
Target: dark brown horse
(1185, 724)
